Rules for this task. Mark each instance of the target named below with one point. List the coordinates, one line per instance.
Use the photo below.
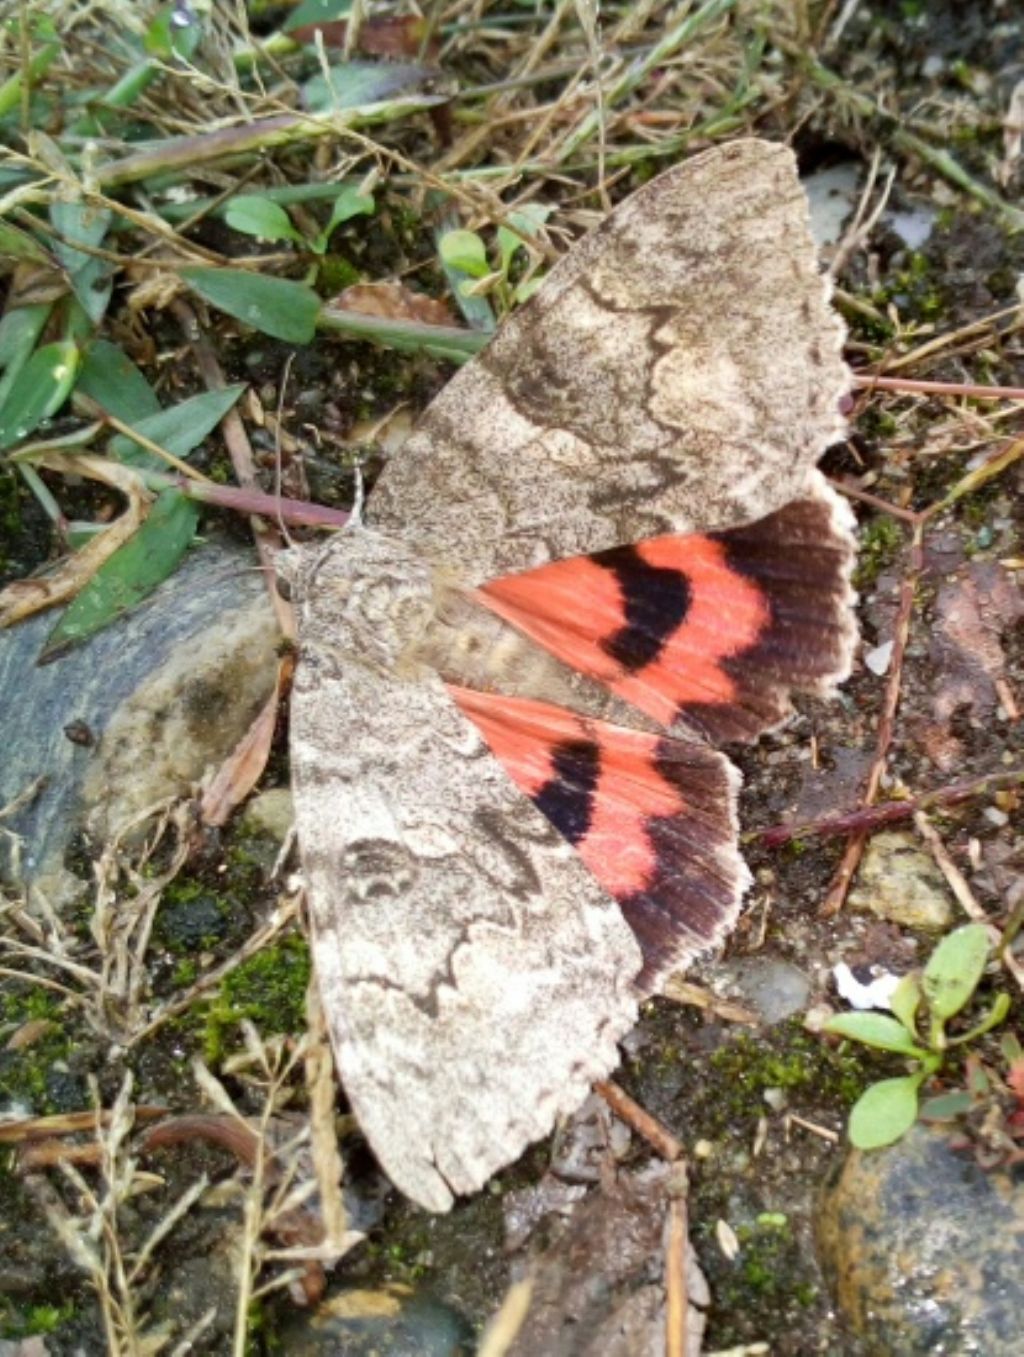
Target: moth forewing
(680, 371)
(475, 976)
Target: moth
(604, 552)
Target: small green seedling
(259, 216)
(922, 1005)
(464, 255)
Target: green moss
(789, 1058)
(880, 543)
(269, 989)
(26, 1073)
(33, 1319)
(337, 273)
(193, 918)
(768, 1275)
(913, 289)
(185, 973)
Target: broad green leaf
(464, 250)
(528, 219)
(91, 278)
(19, 330)
(525, 290)
(39, 390)
(875, 1029)
(318, 11)
(946, 1106)
(883, 1113)
(110, 378)
(178, 429)
(349, 203)
(167, 36)
(131, 574)
(954, 969)
(444, 341)
(476, 310)
(259, 217)
(906, 999)
(276, 306)
(357, 84)
(18, 244)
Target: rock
(589, 1142)
(138, 713)
(596, 1289)
(923, 1250)
(271, 813)
(775, 989)
(390, 1321)
(898, 881)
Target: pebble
(775, 989)
(389, 1321)
(900, 882)
(923, 1249)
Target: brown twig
(660, 1138)
(886, 722)
(866, 819)
(913, 387)
(677, 1299)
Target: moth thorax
(381, 598)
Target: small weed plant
(922, 1006)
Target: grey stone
(775, 989)
(923, 1249)
(152, 704)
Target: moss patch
(269, 989)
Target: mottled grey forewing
(475, 976)
(680, 370)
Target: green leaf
(476, 310)
(92, 279)
(276, 306)
(132, 573)
(110, 378)
(178, 429)
(996, 1014)
(946, 1106)
(464, 250)
(167, 37)
(18, 244)
(19, 330)
(875, 1029)
(359, 84)
(954, 969)
(525, 290)
(259, 217)
(883, 1113)
(905, 1001)
(39, 390)
(349, 203)
(528, 219)
(318, 11)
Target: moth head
(365, 596)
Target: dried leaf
(394, 301)
(244, 766)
